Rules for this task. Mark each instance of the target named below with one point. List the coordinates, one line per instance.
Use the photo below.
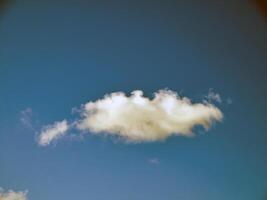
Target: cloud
(136, 118)
(12, 195)
(154, 161)
(212, 96)
(26, 117)
(53, 132)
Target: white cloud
(136, 118)
(12, 195)
(52, 132)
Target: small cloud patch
(53, 132)
(26, 117)
(154, 161)
(13, 195)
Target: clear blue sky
(56, 55)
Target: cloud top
(136, 118)
(53, 132)
(12, 195)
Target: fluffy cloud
(136, 118)
(52, 132)
(12, 195)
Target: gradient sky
(56, 55)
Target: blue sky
(56, 55)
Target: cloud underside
(12, 195)
(136, 118)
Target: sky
(62, 60)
